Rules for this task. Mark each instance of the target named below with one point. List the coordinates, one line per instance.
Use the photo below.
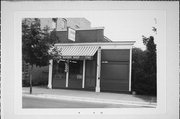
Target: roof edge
(92, 28)
(97, 43)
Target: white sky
(125, 25)
(122, 25)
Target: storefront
(96, 66)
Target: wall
(62, 36)
(61, 25)
(73, 23)
(83, 36)
(90, 35)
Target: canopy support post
(98, 70)
(67, 72)
(130, 67)
(84, 70)
(50, 74)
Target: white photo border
(161, 105)
(43, 12)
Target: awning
(78, 52)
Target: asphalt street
(33, 102)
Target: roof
(83, 29)
(97, 43)
(87, 50)
(78, 50)
(106, 39)
(92, 28)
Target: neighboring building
(62, 23)
(75, 23)
(81, 25)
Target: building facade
(99, 66)
(90, 61)
(40, 74)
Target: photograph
(89, 59)
(90, 62)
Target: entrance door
(90, 77)
(75, 74)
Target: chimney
(54, 23)
(65, 23)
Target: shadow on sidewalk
(147, 98)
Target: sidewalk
(89, 96)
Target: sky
(122, 25)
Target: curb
(92, 100)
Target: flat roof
(85, 29)
(97, 43)
(92, 28)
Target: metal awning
(78, 52)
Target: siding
(90, 35)
(83, 36)
(115, 55)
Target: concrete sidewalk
(89, 96)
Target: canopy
(78, 52)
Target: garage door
(115, 70)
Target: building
(91, 61)
(93, 66)
(81, 25)
(40, 74)
(93, 34)
(62, 23)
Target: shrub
(144, 68)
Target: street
(33, 102)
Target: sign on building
(71, 34)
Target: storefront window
(75, 67)
(58, 71)
(75, 70)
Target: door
(115, 70)
(75, 74)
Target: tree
(144, 68)
(138, 74)
(151, 54)
(151, 65)
(36, 45)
